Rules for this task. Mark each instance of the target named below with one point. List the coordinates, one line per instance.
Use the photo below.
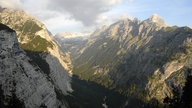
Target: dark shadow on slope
(10, 101)
(36, 58)
(4, 27)
(88, 94)
(186, 98)
(183, 100)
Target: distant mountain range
(72, 41)
(67, 35)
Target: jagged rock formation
(158, 20)
(144, 59)
(36, 40)
(23, 84)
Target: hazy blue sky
(85, 15)
(174, 12)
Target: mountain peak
(157, 19)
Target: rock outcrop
(37, 41)
(23, 84)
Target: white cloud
(14, 4)
(86, 11)
(112, 2)
(108, 18)
(60, 21)
(57, 14)
(125, 16)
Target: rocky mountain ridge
(144, 59)
(35, 39)
(37, 42)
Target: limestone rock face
(22, 82)
(37, 41)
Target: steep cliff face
(22, 82)
(145, 59)
(35, 39)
